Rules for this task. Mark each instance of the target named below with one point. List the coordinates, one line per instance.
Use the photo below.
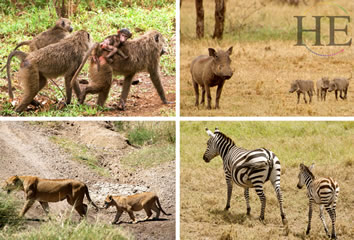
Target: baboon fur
(143, 55)
(59, 59)
(54, 34)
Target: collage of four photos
(176, 119)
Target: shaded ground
(143, 99)
(26, 149)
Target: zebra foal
(322, 191)
(248, 169)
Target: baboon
(302, 86)
(54, 34)
(62, 58)
(144, 55)
(112, 43)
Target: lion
(50, 190)
(137, 202)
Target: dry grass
(265, 62)
(203, 187)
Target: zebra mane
(226, 137)
(307, 170)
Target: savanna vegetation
(265, 58)
(203, 189)
(21, 20)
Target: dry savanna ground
(203, 189)
(265, 59)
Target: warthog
(322, 85)
(341, 85)
(302, 86)
(210, 71)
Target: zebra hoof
(261, 219)
(285, 222)
(248, 211)
(307, 231)
(333, 236)
(227, 208)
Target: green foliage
(141, 133)
(9, 211)
(66, 229)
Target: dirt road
(26, 149)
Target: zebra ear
(301, 166)
(210, 133)
(311, 167)
(216, 129)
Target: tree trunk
(219, 18)
(200, 18)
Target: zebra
(322, 191)
(247, 168)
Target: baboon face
(65, 24)
(221, 63)
(123, 35)
(332, 86)
(11, 184)
(108, 201)
(293, 87)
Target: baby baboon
(61, 29)
(322, 85)
(62, 58)
(112, 43)
(302, 86)
(144, 55)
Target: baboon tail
(89, 198)
(19, 45)
(88, 53)
(22, 56)
(22, 43)
(159, 205)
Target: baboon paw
(121, 106)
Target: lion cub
(137, 202)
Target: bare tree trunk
(219, 18)
(200, 18)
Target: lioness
(146, 201)
(50, 190)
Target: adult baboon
(54, 34)
(143, 55)
(62, 58)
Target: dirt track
(26, 150)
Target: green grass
(203, 189)
(9, 210)
(156, 138)
(142, 133)
(80, 153)
(149, 156)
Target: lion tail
(89, 198)
(159, 205)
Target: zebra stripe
(246, 168)
(322, 191)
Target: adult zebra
(248, 169)
(322, 191)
